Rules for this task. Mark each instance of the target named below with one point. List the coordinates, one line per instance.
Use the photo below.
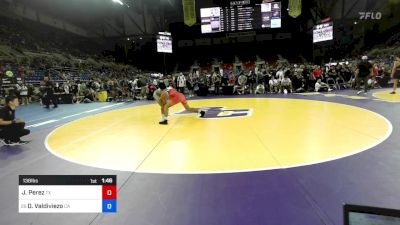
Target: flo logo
(370, 15)
(222, 112)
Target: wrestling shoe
(165, 122)
(11, 143)
(202, 113)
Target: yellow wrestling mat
(249, 134)
(385, 96)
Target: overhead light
(141, 38)
(128, 39)
(118, 1)
(355, 23)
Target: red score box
(109, 191)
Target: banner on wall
(294, 8)
(189, 12)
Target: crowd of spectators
(86, 77)
(84, 83)
(126, 83)
(284, 79)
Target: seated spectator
(240, 90)
(320, 85)
(373, 83)
(286, 85)
(298, 81)
(347, 74)
(11, 129)
(274, 85)
(260, 89)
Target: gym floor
(265, 159)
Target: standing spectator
(190, 84)
(23, 93)
(232, 79)
(96, 86)
(242, 81)
(166, 81)
(364, 71)
(395, 75)
(225, 77)
(260, 77)
(308, 78)
(171, 81)
(317, 72)
(66, 87)
(11, 129)
(131, 89)
(143, 88)
(17, 90)
(251, 80)
(31, 92)
(280, 74)
(49, 93)
(216, 82)
(375, 70)
(181, 80)
(74, 89)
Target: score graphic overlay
(164, 42)
(323, 32)
(240, 17)
(67, 194)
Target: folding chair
(331, 83)
(341, 83)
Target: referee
(49, 93)
(363, 73)
(11, 129)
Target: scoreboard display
(323, 32)
(240, 17)
(164, 42)
(67, 194)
